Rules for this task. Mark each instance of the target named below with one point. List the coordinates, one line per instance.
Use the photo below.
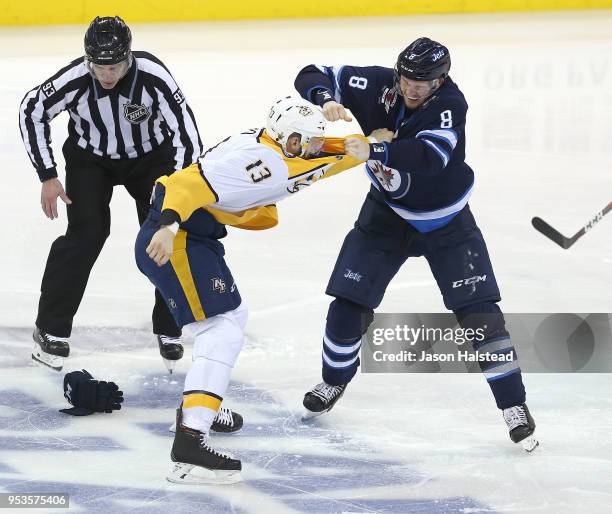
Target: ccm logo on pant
(469, 281)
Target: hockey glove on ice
(89, 395)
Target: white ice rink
(538, 138)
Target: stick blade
(544, 228)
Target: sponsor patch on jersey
(388, 98)
(388, 178)
(136, 113)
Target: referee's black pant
(89, 184)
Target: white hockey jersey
(240, 180)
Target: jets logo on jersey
(387, 177)
(136, 114)
(388, 98)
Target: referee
(129, 124)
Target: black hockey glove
(89, 395)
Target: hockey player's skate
(521, 426)
(50, 350)
(194, 461)
(321, 399)
(171, 350)
(225, 421)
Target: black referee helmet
(108, 40)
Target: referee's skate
(50, 350)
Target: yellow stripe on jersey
(201, 400)
(336, 145)
(298, 166)
(258, 218)
(180, 264)
(186, 191)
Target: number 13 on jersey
(258, 171)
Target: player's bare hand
(333, 111)
(357, 148)
(382, 135)
(161, 246)
(51, 190)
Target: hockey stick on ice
(565, 242)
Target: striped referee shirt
(145, 109)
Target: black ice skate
(194, 461)
(321, 399)
(171, 350)
(225, 421)
(50, 350)
(521, 426)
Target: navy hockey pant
(89, 184)
(373, 252)
(196, 283)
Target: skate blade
(308, 415)
(529, 444)
(55, 362)
(190, 474)
(172, 429)
(170, 365)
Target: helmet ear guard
(294, 115)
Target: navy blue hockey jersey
(421, 174)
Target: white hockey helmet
(291, 115)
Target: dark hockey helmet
(423, 59)
(108, 40)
